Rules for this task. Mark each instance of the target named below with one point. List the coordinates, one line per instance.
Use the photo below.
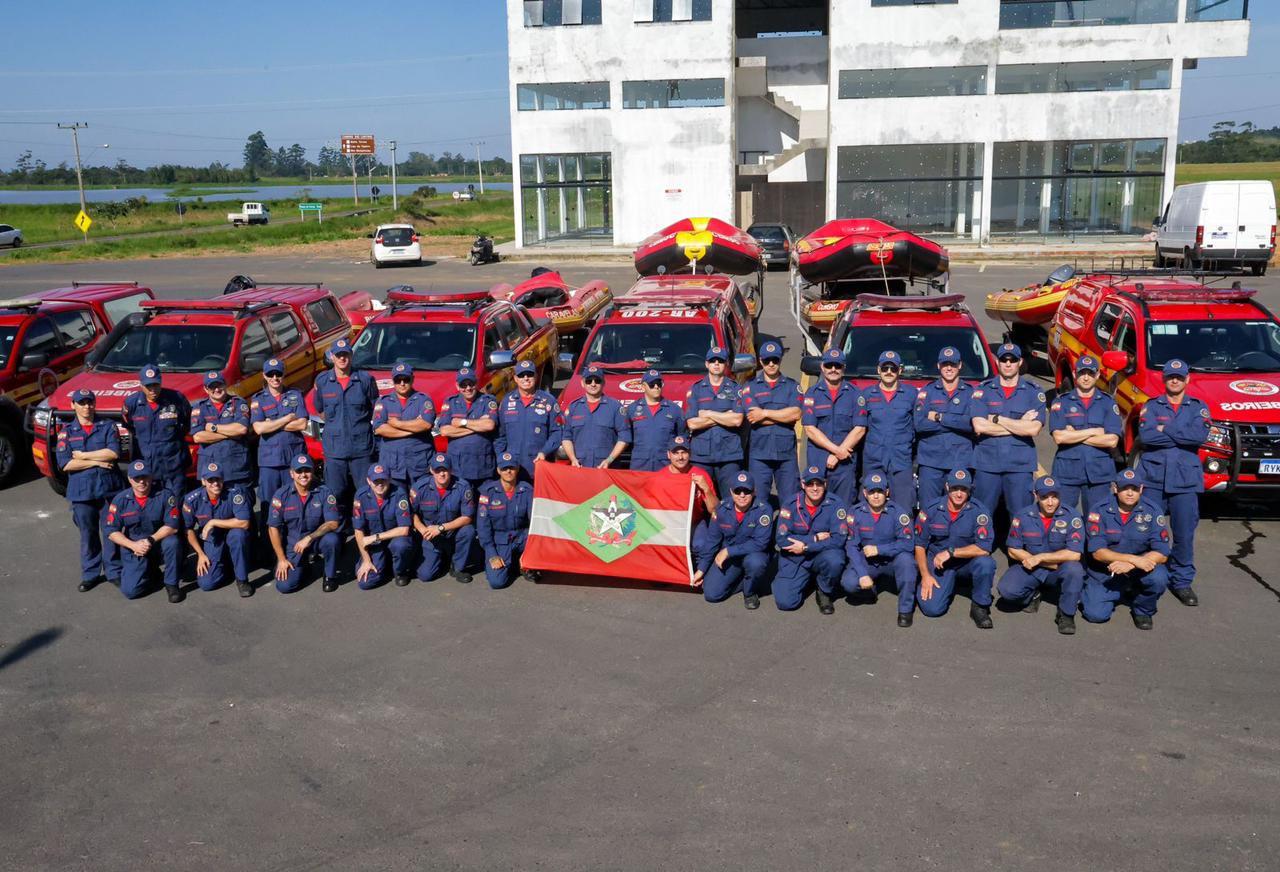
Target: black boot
(534, 575)
(1033, 606)
(905, 619)
(327, 584)
(462, 577)
(89, 584)
(1185, 595)
(751, 601)
(1142, 622)
(246, 589)
(175, 593)
(981, 616)
(402, 580)
(1066, 624)
(825, 604)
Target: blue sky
(182, 83)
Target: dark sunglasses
(403, 381)
(654, 384)
(742, 490)
(525, 374)
(593, 380)
(889, 367)
(833, 366)
(274, 374)
(1007, 359)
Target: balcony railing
(1019, 14)
(1217, 10)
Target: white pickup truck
(250, 213)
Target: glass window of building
(671, 10)
(912, 82)
(923, 188)
(562, 95)
(1085, 76)
(566, 196)
(1217, 10)
(1017, 14)
(673, 93)
(555, 13)
(1076, 187)
(875, 3)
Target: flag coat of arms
(611, 523)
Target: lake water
(266, 193)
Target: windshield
(172, 347)
(1216, 346)
(919, 347)
(768, 234)
(428, 346)
(8, 333)
(665, 347)
(396, 236)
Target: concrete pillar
(1126, 195)
(1022, 186)
(562, 193)
(582, 196)
(981, 196)
(1046, 189)
(1094, 187)
(541, 178)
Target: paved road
(583, 726)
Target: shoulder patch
(1015, 522)
(1204, 412)
(783, 513)
(977, 393)
(173, 501)
(766, 519)
(1076, 523)
(468, 495)
(238, 499)
(484, 499)
(841, 514)
(1115, 408)
(1094, 516)
(404, 504)
(923, 516)
(1161, 520)
(332, 500)
(904, 519)
(983, 519)
(275, 503)
(1040, 396)
(862, 401)
(1056, 406)
(808, 401)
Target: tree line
(260, 162)
(1231, 142)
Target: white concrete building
(981, 119)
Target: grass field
(1187, 174)
(438, 218)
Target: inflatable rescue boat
(547, 295)
(1033, 305)
(702, 242)
(864, 248)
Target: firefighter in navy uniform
(344, 397)
(1128, 544)
(402, 421)
(771, 402)
(220, 427)
(502, 523)
(444, 516)
(888, 413)
(303, 523)
(144, 521)
(881, 546)
(218, 517)
(1086, 425)
(953, 542)
(278, 415)
(1171, 429)
(529, 422)
(714, 415)
(812, 530)
(655, 421)
(735, 552)
(1045, 543)
(159, 419)
(832, 415)
(596, 430)
(383, 525)
(469, 420)
(87, 450)
(944, 427)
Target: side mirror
(743, 363)
(1156, 222)
(1119, 361)
(36, 360)
(501, 359)
(564, 363)
(811, 364)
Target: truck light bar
(881, 301)
(1192, 295)
(83, 282)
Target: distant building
(980, 119)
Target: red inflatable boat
(864, 248)
(548, 295)
(703, 242)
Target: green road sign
(311, 207)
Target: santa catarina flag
(612, 523)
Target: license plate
(397, 251)
(1269, 467)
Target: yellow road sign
(83, 221)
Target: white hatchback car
(396, 243)
(10, 235)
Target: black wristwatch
(995, 417)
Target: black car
(776, 240)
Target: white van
(1218, 223)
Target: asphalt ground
(590, 725)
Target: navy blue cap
(593, 371)
(717, 352)
(342, 346)
(378, 472)
(1009, 349)
(211, 470)
(742, 480)
(302, 461)
(771, 351)
(950, 354)
(1175, 366)
(273, 365)
(506, 461)
(1046, 484)
(814, 473)
(678, 443)
(1129, 478)
(83, 395)
(402, 370)
(526, 366)
(150, 374)
(466, 374)
(959, 478)
(833, 355)
(875, 481)
(651, 376)
(890, 357)
(441, 461)
(213, 377)
(1087, 362)
(139, 469)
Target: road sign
(311, 207)
(358, 143)
(83, 221)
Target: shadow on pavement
(30, 645)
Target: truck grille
(1256, 443)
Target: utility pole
(395, 197)
(355, 192)
(479, 165)
(75, 138)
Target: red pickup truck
(43, 342)
(235, 334)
